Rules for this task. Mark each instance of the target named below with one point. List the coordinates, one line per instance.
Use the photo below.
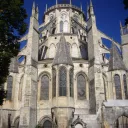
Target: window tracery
(62, 81)
(44, 91)
(9, 87)
(81, 87)
(117, 87)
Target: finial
(33, 4)
(46, 7)
(81, 6)
(120, 24)
(70, 2)
(56, 2)
(37, 9)
(91, 5)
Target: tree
(126, 7)
(12, 27)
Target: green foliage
(38, 126)
(126, 7)
(12, 27)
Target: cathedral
(65, 76)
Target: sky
(108, 13)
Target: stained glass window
(62, 81)
(61, 26)
(118, 87)
(47, 124)
(54, 83)
(71, 82)
(125, 87)
(121, 122)
(81, 87)
(44, 94)
(9, 87)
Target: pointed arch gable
(52, 51)
(75, 50)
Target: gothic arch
(78, 121)
(16, 122)
(75, 52)
(121, 122)
(43, 120)
(43, 73)
(81, 72)
(52, 50)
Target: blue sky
(108, 13)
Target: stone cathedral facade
(63, 78)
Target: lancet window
(54, 83)
(117, 87)
(71, 82)
(62, 81)
(44, 91)
(61, 26)
(9, 87)
(125, 86)
(81, 87)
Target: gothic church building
(63, 78)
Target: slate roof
(14, 65)
(63, 53)
(115, 61)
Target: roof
(63, 53)
(115, 61)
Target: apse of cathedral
(62, 77)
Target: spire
(91, 8)
(33, 9)
(115, 61)
(63, 53)
(13, 65)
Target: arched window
(117, 87)
(61, 26)
(65, 26)
(71, 82)
(16, 123)
(81, 87)
(9, 87)
(47, 124)
(121, 122)
(54, 83)
(125, 86)
(62, 81)
(44, 94)
(20, 89)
